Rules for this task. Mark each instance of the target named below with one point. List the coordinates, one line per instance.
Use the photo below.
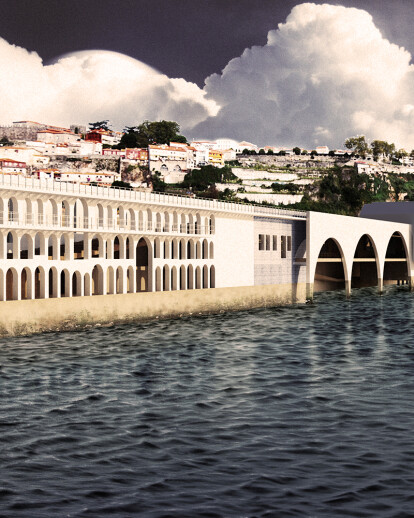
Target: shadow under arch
(144, 256)
(330, 271)
(396, 266)
(365, 265)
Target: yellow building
(216, 157)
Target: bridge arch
(396, 264)
(330, 272)
(365, 266)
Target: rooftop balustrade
(48, 185)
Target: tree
(5, 141)
(180, 138)
(381, 147)
(331, 153)
(103, 125)
(118, 184)
(261, 151)
(152, 132)
(358, 145)
(296, 150)
(201, 179)
(270, 151)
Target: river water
(304, 411)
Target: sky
(272, 72)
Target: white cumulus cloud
(325, 74)
(94, 85)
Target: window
(261, 242)
(283, 245)
(267, 242)
(274, 242)
(289, 243)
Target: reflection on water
(296, 411)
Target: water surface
(304, 411)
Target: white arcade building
(69, 240)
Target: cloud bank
(93, 85)
(325, 74)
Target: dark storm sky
(181, 38)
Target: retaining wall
(19, 317)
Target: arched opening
(132, 221)
(198, 250)
(11, 245)
(143, 259)
(396, 262)
(119, 280)
(97, 244)
(149, 219)
(110, 281)
(12, 210)
(52, 248)
(205, 276)
(157, 248)
(12, 284)
(173, 278)
(166, 222)
(130, 279)
(39, 244)
(190, 277)
(166, 249)
(65, 219)
(127, 250)
(76, 284)
(205, 249)
(26, 284)
(97, 280)
(26, 247)
(29, 214)
(197, 224)
(364, 266)
(100, 215)
(87, 285)
(190, 249)
(65, 284)
(211, 250)
(212, 277)
(40, 283)
(182, 250)
(330, 272)
(53, 283)
(198, 278)
(117, 254)
(183, 284)
(79, 246)
(212, 224)
(40, 215)
(190, 224)
(166, 278)
(158, 227)
(183, 224)
(158, 279)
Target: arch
(190, 224)
(174, 284)
(166, 222)
(132, 220)
(175, 222)
(53, 283)
(130, 279)
(166, 249)
(26, 247)
(183, 284)
(149, 219)
(140, 222)
(76, 284)
(52, 248)
(166, 278)
(197, 224)
(157, 248)
(365, 266)
(110, 281)
(65, 218)
(12, 243)
(12, 205)
(396, 266)
(198, 250)
(101, 216)
(190, 249)
(52, 208)
(158, 225)
(120, 217)
(65, 283)
(212, 224)
(190, 277)
(182, 250)
(163, 169)
(29, 212)
(158, 280)
(26, 284)
(87, 285)
(40, 212)
(174, 249)
(119, 281)
(39, 244)
(212, 276)
(127, 248)
(97, 280)
(211, 251)
(79, 246)
(80, 214)
(12, 284)
(117, 248)
(330, 272)
(40, 283)
(110, 221)
(198, 278)
(97, 246)
(205, 276)
(64, 247)
(143, 255)
(2, 216)
(204, 254)
(183, 224)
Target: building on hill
(140, 155)
(241, 146)
(216, 158)
(9, 166)
(169, 161)
(57, 136)
(322, 150)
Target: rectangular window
(283, 245)
(289, 243)
(274, 242)
(261, 242)
(267, 242)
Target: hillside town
(271, 175)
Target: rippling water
(303, 411)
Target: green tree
(358, 145)
(261, 151)
(104, 125)
(296, 150)
(201, 179)
(152, 132)
(118, 184)
(381, 147)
